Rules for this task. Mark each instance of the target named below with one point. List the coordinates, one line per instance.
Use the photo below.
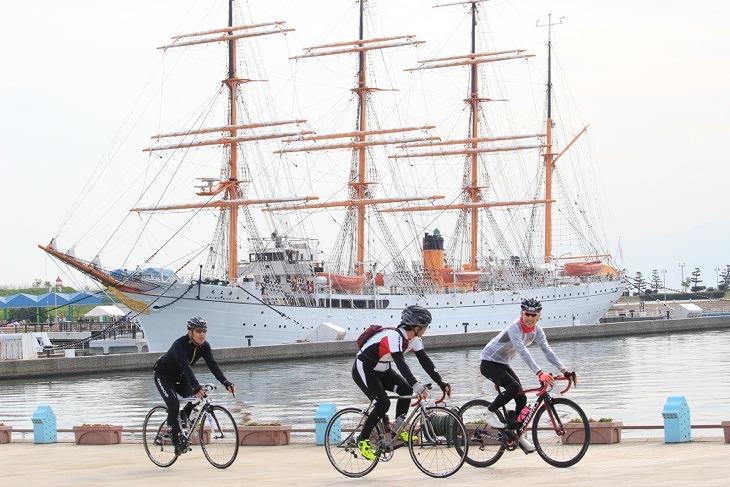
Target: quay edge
(100, 364)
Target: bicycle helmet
(531, 305)
(415, 316)
(197, 322)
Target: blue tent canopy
(23, 300)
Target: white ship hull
(237, 317)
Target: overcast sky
(651, 77)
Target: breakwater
(70, 366)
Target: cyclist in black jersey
(372, 370)
(174, 375)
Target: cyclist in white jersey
(509, 343)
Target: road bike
(438, 443)
(211, 426)
(547, 419)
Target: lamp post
(59, 285)
(681, 267)
(664, 283)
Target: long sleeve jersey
(512, 341)
(183, 353)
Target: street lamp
(59, 285)
(664, 283)
(681, 267)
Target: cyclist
(373, 374)
(498, 353)
(174, 375)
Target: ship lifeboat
(448, 274)
(342, 282)
(578, 269)
(379, 278)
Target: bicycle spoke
(218, 435)
(485, 443)
(157, 441)
(550, 439)
(340, 441)
(438, 443)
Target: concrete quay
(66, 366)
(629, 463)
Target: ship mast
(360, 194)
(232, 191)
(232, 196)
(548, 156)
(474, 145)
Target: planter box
(264, 435)
(195, 440)
(601, 433)
(100, 434)
(6, 433)
(725, 431)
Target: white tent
(100, 311)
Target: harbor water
(627, 379)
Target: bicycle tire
(218, 436)
(439, 442)
(157, 441)
(550, 438)
(340, 440)
(483, 449)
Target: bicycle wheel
(550, 438)
(219, 436)
(157, 440)
(340, 442)
(438, 443)
(485, 443)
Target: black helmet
(415, 316)
(197, 322)
(532, 305)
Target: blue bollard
(677, 427)
(324, 413)
(44, 425)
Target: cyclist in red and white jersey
(372, 370)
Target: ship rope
(283, 315)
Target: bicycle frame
(416, 408)
(543, 396)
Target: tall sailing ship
(469, 255)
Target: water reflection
(627, 379)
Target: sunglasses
(201, 330)
(531, 315)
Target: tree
(655, 280)
(639, 282)
(725, 275)
(695, 279)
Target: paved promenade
(632, 462)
